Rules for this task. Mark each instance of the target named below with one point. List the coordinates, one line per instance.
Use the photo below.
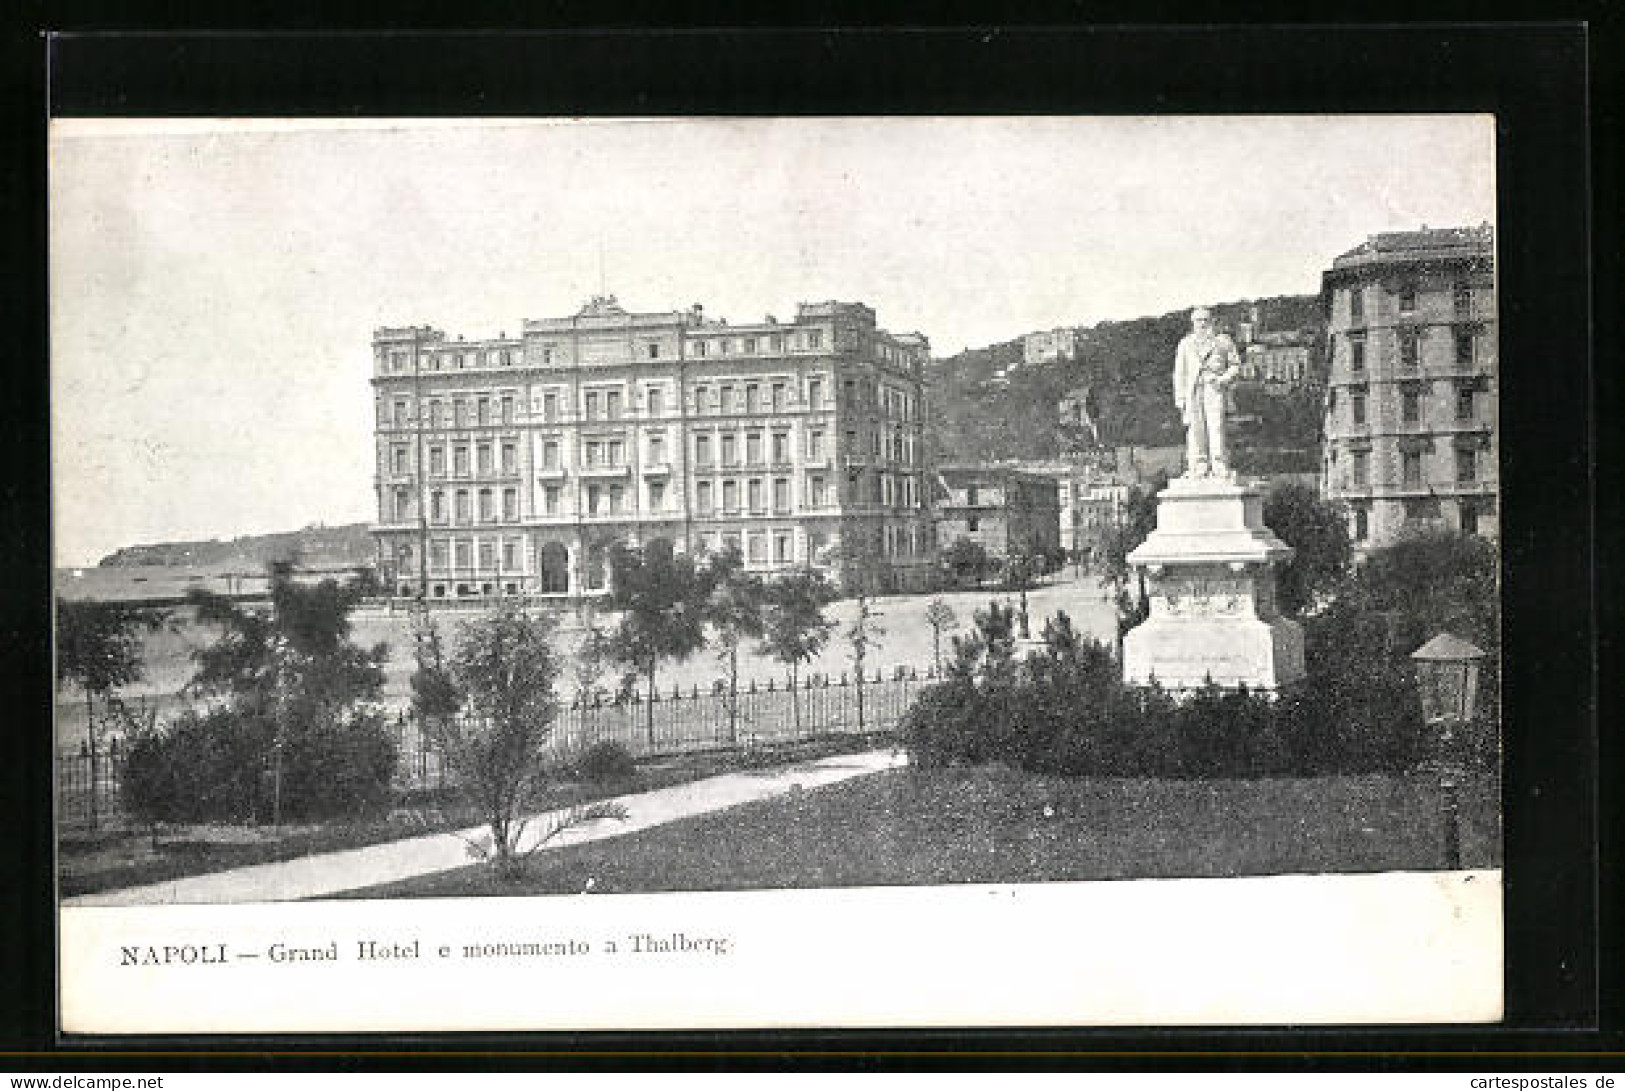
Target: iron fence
(675, 722)
(679, 721)
(88, 790)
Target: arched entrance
(554, 561)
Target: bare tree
(940, 616)
(864, 631)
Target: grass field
(992, 825)
(906, 641)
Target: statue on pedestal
(1205, 365)
(1211, 559)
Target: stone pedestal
(1210, 573)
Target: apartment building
(1411, 396)
(1008, 512)
(513, 465)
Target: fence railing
(87, 791)
(685, 721)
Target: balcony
(657, 469)
(604, 470)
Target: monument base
(1210, 567)
(1189, 653)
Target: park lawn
(91, 862)
(993, 825)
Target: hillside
(315, 546)
(1127, 367)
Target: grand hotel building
(512, 466)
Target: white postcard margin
(1388, 948)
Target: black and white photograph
(673, 554)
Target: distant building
(1411, 396)
(1009, 512)
(1092, 488)
(1077, 418)
(1280, 362)
(1046, 346)
(513, 465)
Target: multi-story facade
(512, 466)
(1008, 512)
(1411, 393)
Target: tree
(98, 648)
(734, 613)
(795, 629)
(1432, 582)
(863, 632)
(504, 664)
(940, 616)
(593, 654)
(436, 697)
(1318, 532)
(295, 671)
(966, 561)
(1132, 524)
(662, 596)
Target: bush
(220, 766)
(606, 763)
(204, 768)
(1066, 711)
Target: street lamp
(1447, 675)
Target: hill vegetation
(314, 546)
(1126, 365)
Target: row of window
(459, 506)
(750, 344)
(400, 360)
(1410, 467)
(1410, 348)
(776, 545)
(710, 449)
(1424, 509)
(1461, 300)
(479, 410)
(488, 459)
(1410, 404)
(610, 404)
(480, 553)
(753, 397)
(457, 359)
(712, 498)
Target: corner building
(512, 466)
(1410, 420)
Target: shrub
(220, 766)
(606, 763)
(338, 770)
(1066, 711)
(206, 767)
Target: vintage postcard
(541, 574)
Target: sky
(215, 284)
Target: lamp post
(1447, 676)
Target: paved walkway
(334, 872)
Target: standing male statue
(1204, 367)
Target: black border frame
(1533, 76)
